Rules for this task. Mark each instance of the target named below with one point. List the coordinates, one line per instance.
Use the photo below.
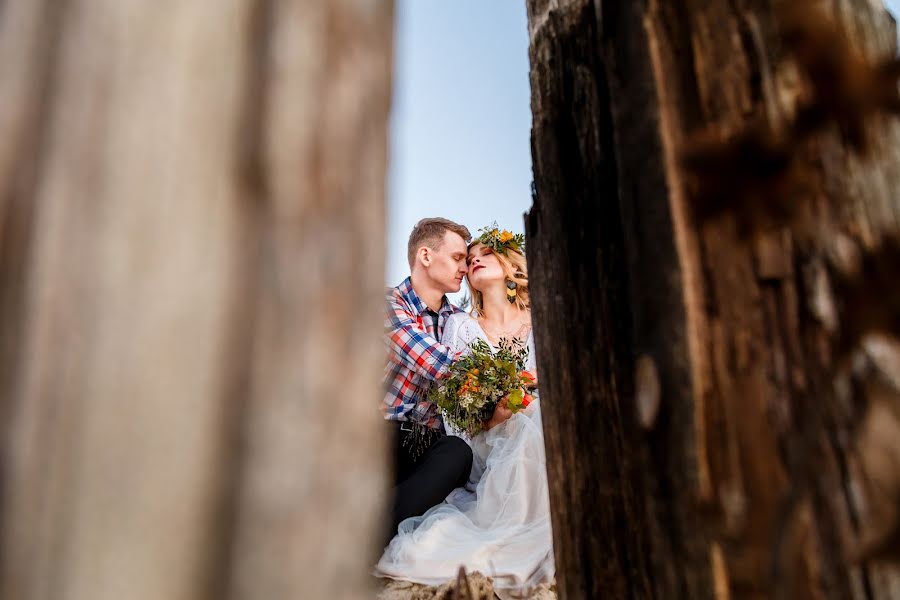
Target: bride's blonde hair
(515, 269)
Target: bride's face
(484, 268)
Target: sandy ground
(480, 589)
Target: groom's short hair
(430, 232)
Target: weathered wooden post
(191, 273)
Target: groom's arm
(410, 345)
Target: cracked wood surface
(749, 438)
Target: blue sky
(461, 118)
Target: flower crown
(501, 240)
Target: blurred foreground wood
(191, 263)
(702, 427)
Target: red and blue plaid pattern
(415, 356)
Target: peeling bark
(742, 487)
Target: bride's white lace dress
(500, 523)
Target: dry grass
(480, 588)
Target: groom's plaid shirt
(415, 357)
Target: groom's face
(448, 263)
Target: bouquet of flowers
(481, 379)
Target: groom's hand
(501, 414)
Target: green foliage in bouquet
(481, 379)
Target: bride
(499, 524)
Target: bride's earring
(511, 291)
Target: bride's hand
(501, 414)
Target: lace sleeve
(465, 331)
(451, 327)
(458, 333)
(454, 337)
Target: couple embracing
(482, 501)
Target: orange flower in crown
(501, 240)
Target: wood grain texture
(748, 458)
(192, 218)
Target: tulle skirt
(499, 524)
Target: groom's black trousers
(425, 480)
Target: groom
(428, 464)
